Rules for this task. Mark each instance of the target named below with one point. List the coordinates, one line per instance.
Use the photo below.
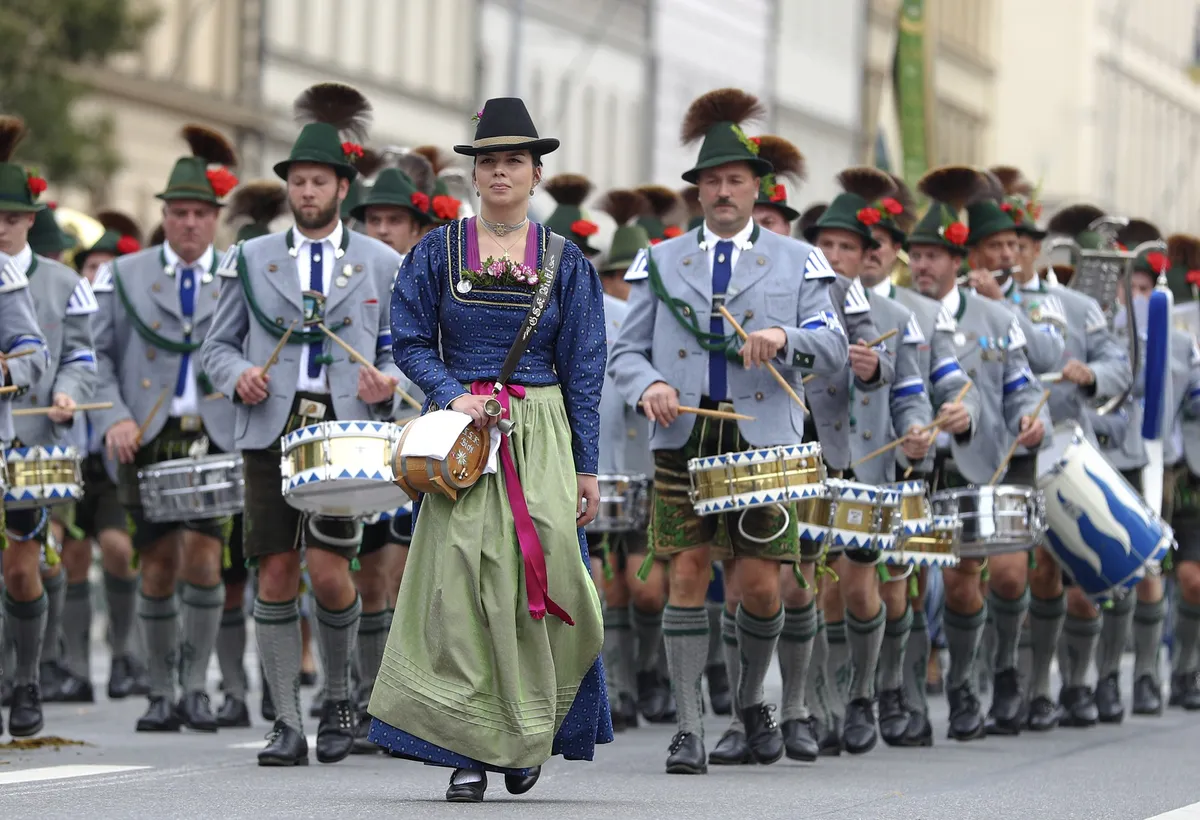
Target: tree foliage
(42, 38)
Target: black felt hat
(504, 124)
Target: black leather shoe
(285, 747)
(141, 678)
(966, 719)
(50, 679)
(1007, 714)
(160, 716)
(1190, 691)
(731, 750)
(25, 717)
(233, 714)
(195, 712)
(335, 734)
(686, 755)
(762, 733)
(798, 741)
(860, 734)
(267, 706)
(1109, 707)
(1078, 707)
(519, 784)
(627, 706)
(1147, 696)
(308, 679)
(467, 792)
(719, 693)
(1043, 714)
(1178, 684)
(75, 689)
(893, 716)
(652, 696)
(830, 742)
(919, 733)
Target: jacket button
(832, 390)
(682, 353)
(687, 261)
(686, 310)
(145, 384)
(866, 400)
(346, 322)
(758, 396)
(155, 325)
(279, 321)
(837, 425)
(150, 354)
(866, 435)
(971, 372)
(749, 314)
(762, 261)
(33, 399)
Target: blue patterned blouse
(443, 338)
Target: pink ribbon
(534, 557)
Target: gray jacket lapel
(751, 267)
(164, 292)
(339, 292)
(282, 275)
(693, 270)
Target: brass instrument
(85, 230)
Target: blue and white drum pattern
(341, 468)
(913, 496)
(943, 533)
(42, 476)
(755, 478)
(857, 513)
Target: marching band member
(317, 272)
(665, 357)
(465, 636)
(844, 233)
(1009, 393)
(903, 710)
(99, 515)
(47, 238)
(443, 207)
(154, 306)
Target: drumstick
(365, 362)
(12, 388)
(770, 367)
(79, 408)
(145, 425)
(937, 426)
(1012, 450)
(713, 414)
(872, 343)
(891, 445)
(274, 357)
(1051, 378)
(10, 356)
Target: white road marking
(61, 773)
(262, 744)
(1191, 812)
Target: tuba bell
(85, 230)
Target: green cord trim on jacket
(148, 335)
(711, 342)
(298, 337)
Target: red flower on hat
(868, 216)
(52, 205)
(956, 233)
(779, 194)
(222, 180)
(1121, 246)
(36, 184)
(756, 140)
(583, 227)
(892, 205)
(1193, 278)
(655, 241)
(420, 201)
(445, 207)
(1006, 207)
(1035, 209)
(127, 244)
(672, 231)
(352, 150)
(1157, 260)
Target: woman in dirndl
(493, 661)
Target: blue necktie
(722, 271)
(187, 305)
(316, 279)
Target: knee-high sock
(1008, 616)
(160, 624)
(277, 628)
(816, 690)
(716, 656)
(795, 652)
(1117, 622)
(685, 631)
(200, 621)
(963, 636)
(56, 599)
(121, 596)
(891, 653)
(1025, 652)
(618, 640)
(26, 621)
(77, 630)
(985, 659)
(733, 663)
(648, 629)
(1081, 636)
(865, 639)
(1187, 638)
(1046, 618)
(916, 663)
(838, 671)
(337, 633)
(757, 638)
(373, 629)
(1147, 637)
(231, 652)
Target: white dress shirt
(741, 242)
(23, 259)
(189, 403)
(303, 246)
(884, 288)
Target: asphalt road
(1139, 770)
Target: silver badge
(206, 278)
(960, 339)
(464, 286)
(342, 281)
(347, 269)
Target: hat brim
(813, 231)
(789, 213)
(359, 211)
(189, 196)
(538, 147)
(343, 169)
(761, 166)
(1035, 234)
(934, 242)
(19, 208)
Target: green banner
(914, 99)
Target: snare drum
(756, 478)
(934, 548)
(624, 504)
(995, 520)
(341, 469)
(192, 489)
(1101, 531)
(42, 477)
(857, 515)
(914, 516)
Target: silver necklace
(501, 228)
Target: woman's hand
(473, 407)
(589, 494)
